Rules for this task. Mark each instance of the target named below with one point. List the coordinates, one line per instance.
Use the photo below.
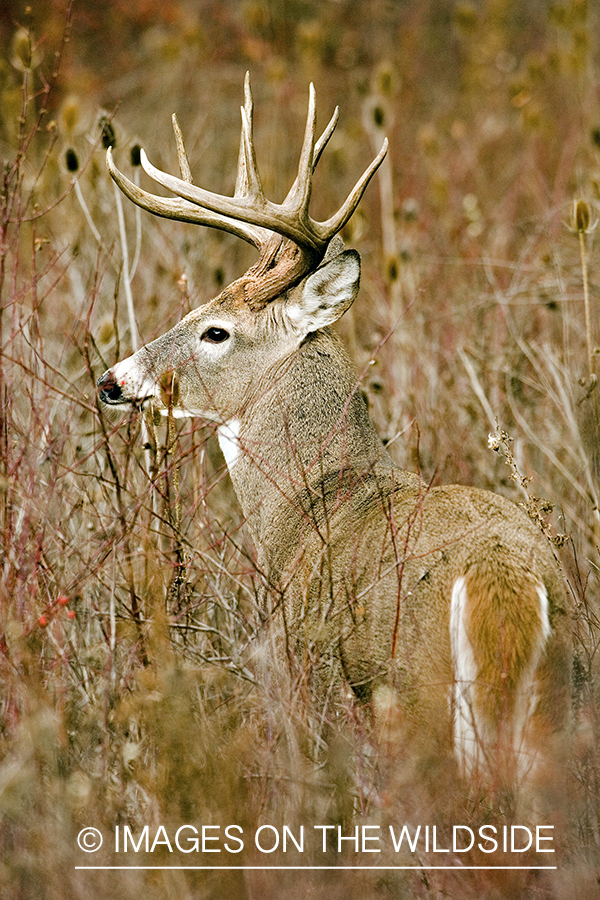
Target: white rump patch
(469, 734)
(228, 435)
(465, 673)
(543, 595)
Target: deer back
(442, 606)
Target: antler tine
(182, 210)
(184, 166)
(324, 139)
(248, 214)
(241, 182)
(318, 150)
(254, 190)
(273, 217)
(326, 230)
(303, 184)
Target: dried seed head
(136, 156)
(466, 16)
(22, 51)
(583, 219)
(386, 80)
(581, 215)
(70, 113)
(379, 116)
(109, 139)
(106, 330)
(410, 210)
(393, 268)
(71, 161)
(25, 54)
(494, 441)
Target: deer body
(442, 606)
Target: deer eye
(215, 335)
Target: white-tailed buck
(440, 606)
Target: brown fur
(363, 560)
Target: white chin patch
(177, 412)
(228, 435)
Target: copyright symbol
(89, 840)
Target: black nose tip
(110, 389)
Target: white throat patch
(228, 435)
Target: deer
(442, 607)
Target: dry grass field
(130, 695)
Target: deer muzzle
(109, 389)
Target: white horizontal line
(313, 868)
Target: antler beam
(249, 214)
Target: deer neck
(306, 428)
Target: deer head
(445, 598)
(209, 363)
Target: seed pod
(22, 49)
(379, 116)
(71, 160)
(581, 216)
(70, 113)
(109, 138)
(136, 156)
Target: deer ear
(326, 294)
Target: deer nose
(110, 389)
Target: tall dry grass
(129, 622)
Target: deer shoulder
(443, 606)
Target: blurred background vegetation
(128, 586)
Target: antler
(249, 214)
